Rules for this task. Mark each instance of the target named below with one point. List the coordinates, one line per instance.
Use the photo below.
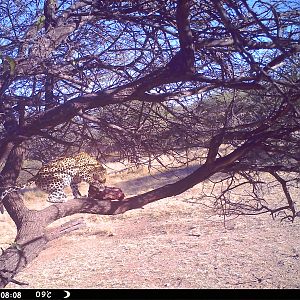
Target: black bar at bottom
(147, 294)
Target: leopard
(69, 171)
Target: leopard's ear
(82, 153)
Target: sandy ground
(172, 243)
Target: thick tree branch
(187, 48)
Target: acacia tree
(146, 78)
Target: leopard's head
(99, 177)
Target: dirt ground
(172, 243)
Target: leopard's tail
(10, 189)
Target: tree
(146, 78)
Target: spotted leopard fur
(69, 171)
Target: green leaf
(12, 65)
(9, 64)
(40, 22)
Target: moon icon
(68, 294)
